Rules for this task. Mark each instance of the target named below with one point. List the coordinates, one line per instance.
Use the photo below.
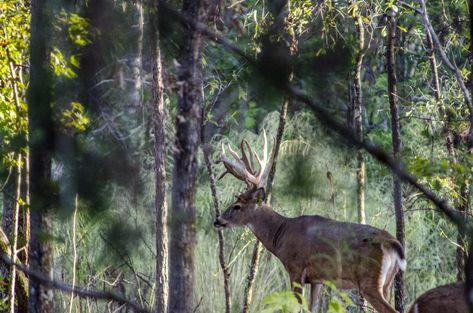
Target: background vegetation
(103, 159)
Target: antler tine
(269, 164)
(233, 153)
(237, 167)
(243, 169)
(245, 157)
(262, 162)
(265, 147)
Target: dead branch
(82, 292)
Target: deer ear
(259, 195)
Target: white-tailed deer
(448, 298)
(313, 248)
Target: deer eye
(237, 207)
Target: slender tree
(290, 43)
(14, 246)
(188, 123)
(161, 211)
(396, 144)
(358, 111)
(269, 188)
(39, 100)
(221, 240)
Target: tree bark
(39, 100)
(161, 211)
(188, 123)
(358, 115)
(396, 144)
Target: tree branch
(78, 291)
(444, 56)
(326, 117)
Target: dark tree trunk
(188, 123)
(162, 284)
(39, 100)
(396, 143)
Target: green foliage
(284, 302)
(78, 28)
(112, 168)
(339, 301)
(60, 65)
(74, 118)
(14, 37)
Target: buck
(448, 298)
(312, 248)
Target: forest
(236, 156)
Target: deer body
(324, 249)
(448, 298)
(313, 248)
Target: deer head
(243, 168)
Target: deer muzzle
(220, 223)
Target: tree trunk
(136, 67)
(188, 123)
(161, 211)
(396, 143)
(14, 247)
(358, 116)
(40, 145)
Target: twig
(444, 56)
(10, 169)
(74, 247)
(410, 7)
(198, 304)
(82, 292)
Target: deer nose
(218, 223)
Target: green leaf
(384, 31)
(403, 29)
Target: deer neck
(268, 226)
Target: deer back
(448, 298)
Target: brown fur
(444, 299)
(314, 249)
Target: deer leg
(314, 296)
(376, 299)
(387, 285)
(297, 283)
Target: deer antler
(243, 167)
